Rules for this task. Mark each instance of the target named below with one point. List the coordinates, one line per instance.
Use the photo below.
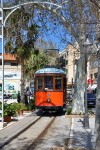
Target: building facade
(12, 75)
(93, 69)
(70, 56)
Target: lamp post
(87, 43)
(3, 19)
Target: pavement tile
(81, 137)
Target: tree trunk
(97, 119)
(78, 100)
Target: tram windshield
(49, 82)
(58, 83)
(39, 81)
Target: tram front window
(39, 81)
(58, 83)
(49, 82)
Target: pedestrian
(26, 100)
(18, 97)
(28, 95)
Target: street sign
(90, 81)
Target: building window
(14, 64)
(66, 71)
(0, 87)
(66, 62)
(91, 76)
(7, 63)
(95, 75)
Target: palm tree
(36, 61)
(21, 34)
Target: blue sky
(57, 34)
(61, 45)
(56, 40)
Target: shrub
(9, 110)
(31, 104)
(69, 110)
(0, 107)
(20, 106)
(91, 112)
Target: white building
(12, 75)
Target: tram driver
(49, 85)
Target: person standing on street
(26, 99)
(18, 97)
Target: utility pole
(87, 43)
(2, 57)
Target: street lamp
(3, 19)
(87, 43)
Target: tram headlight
(48, 100)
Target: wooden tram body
(50, 89)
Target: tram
(50, 89)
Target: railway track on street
(30, 137)
(32, 146)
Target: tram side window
(49, 82)
(58, 83)
(39, 81)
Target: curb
(14, 121)
(78, 116)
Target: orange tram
(50, 89)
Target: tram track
(19, 133)
(24, 141)
(35, 142)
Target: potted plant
(9, 111)
(20, 107)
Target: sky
(57, 34)
(54, 33)
(56, 41)
(55, 38)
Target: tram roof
(50, 70)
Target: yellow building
(70, 56)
